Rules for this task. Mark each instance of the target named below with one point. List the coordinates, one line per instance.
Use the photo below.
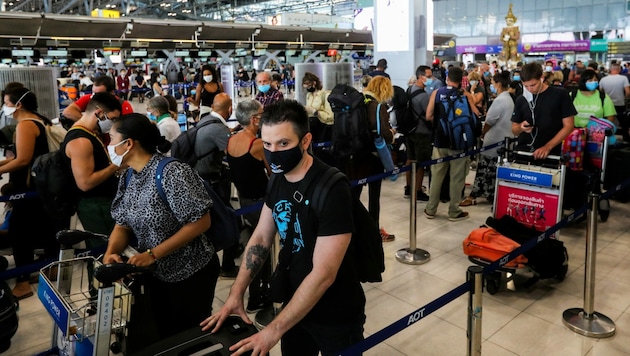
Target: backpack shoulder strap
(602, 97)
(325, 182)
(158, 177)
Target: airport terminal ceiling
(218, 10)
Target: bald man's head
(222, 104)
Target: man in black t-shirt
(324, 305)
(543, 115)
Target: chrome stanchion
(585, 321)
(474, 276)
(266, 315)
(412, 255)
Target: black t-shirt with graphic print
(344, 301)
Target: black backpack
(549, 259)
(8, 316)
(351, 132)
(183, 147)
(366, 244)
(407, 117)
(224, 230)
(55, 183)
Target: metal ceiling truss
(216, 10)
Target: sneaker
(461, 216)
(422, 196)
(407, 193)
(386, 237)
(427, 215)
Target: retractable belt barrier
(419, 313)
(242, 211)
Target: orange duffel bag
(489, 245)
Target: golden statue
(510, 35)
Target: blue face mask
(493, 89)
(152, 117)
(592, 85)
(263, 88)
(485, 74)
(517, 78)
(428, 82)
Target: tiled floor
(525, 322)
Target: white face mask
(8, 110)
(105, 125)
(207, 78)
(113, 156)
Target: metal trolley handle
(109, 273)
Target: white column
(403, 35)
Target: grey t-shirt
(420, 103)
(614, 85)
(499, 117)
(212, 139)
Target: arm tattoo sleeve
(256, 256)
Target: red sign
(528, 206)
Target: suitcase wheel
(563, 273)
(493, 282)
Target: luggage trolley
(532, 194)
(84, 323)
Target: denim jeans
(306, 339)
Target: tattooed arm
(256, 252)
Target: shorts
(419, 147)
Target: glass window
(584, 17)
(568, 18)
(542, 4)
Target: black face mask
(282, 162)
(310, 90)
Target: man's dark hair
(105, 80)
(455, 75)
(592, 65)
(287, 111)
(531, 71)
(503, 78)
(106, 101)
(421, 71)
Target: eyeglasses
(106, 116)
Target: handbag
(382, 148)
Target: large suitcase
(8, 316)
(197, 342)
(617, 171)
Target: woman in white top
(318, 108)
(497, 126)
(158, 110)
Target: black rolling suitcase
(197, 342)
(8, 316)
(617, 171)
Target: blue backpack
(458, 124)
(224, 231)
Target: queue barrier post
(413, 255)
(474, 276)
(586, 321)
